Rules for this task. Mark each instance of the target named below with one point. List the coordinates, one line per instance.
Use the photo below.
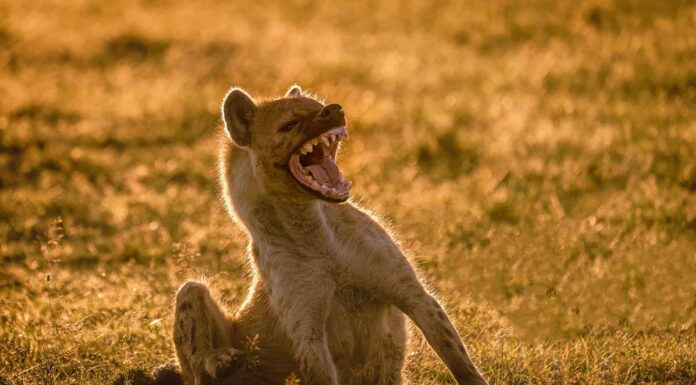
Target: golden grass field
(537, 159)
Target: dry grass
(538, 159)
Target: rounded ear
(238, 109)
(294, 91)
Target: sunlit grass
(537, 159)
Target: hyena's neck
(272, 216)
(279, 220)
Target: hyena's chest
(361, 328)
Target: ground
(537, 159)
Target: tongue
(325, 172)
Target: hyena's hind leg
(202, 336)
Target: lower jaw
(317, 194)
(315, 191)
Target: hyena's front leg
(432, 320)
(300, 295)
(391, 275)
(202, 336)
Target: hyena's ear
(294, 92)
(238, 109)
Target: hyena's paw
(222, 362)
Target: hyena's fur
(330, 287)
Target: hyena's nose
(330, 111)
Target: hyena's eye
(289, 125)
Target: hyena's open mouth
(314, 165)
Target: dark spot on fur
(296, 326)
(193, 334)
(280, 165)
(441, 315)
(449, 333)
(407, 308)
(184, 306)
(193, 349)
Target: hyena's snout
(331, 111)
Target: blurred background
(537, 159)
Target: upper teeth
(306, 148)
(328, 140)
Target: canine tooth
(315, 184)
(333, 138)
(314, 142)
(325, 140)
(307, 148)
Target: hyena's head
(292, 140)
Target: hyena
(330, 288)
